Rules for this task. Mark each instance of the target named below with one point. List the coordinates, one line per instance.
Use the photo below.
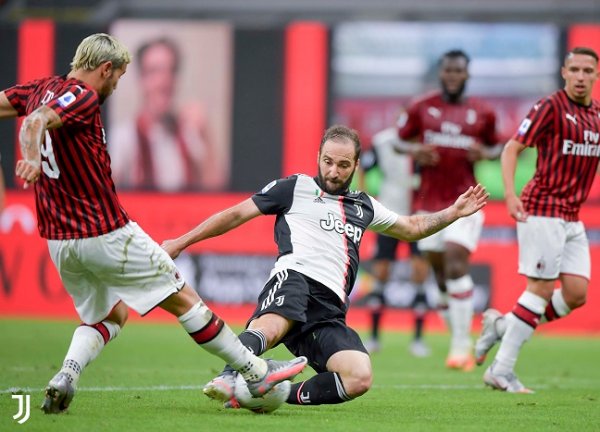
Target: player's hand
(172, 248)
(426, 155)
(28, 171)
(471, 201)
(516, 209)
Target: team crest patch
(540, 266)
(269, 186)
(524, 127)
(67, 99)
(319, 196)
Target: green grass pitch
(150, 379)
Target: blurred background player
(395, 192)
(553, 244)
(449, 133)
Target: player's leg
(541, 246)
(375, 302)
(575, 267)
(460, 306)
(281, 303)
(418, 276)
(212, 334)
(102, 314)
(343, 367)
(461, 240)
(149, 278)
(262, 334)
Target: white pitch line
(198, 387)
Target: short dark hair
(582, 50)
(168, 43)
(339, 133)
(452, 54)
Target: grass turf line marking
(19, 390)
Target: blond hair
(97, 49)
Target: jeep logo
(332, 224)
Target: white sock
(520, 325)
(442, 308)
(212, 334)
(557, 307)
(460, 310)
(86, 344)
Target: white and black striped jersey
(319, 234)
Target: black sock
(375, 320)
(254, 340)
(323, 388)
(420, 310)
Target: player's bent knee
(357, 385)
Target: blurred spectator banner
(170, 121)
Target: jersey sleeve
(18, 96)
(383, 218)
(409, 123)
(75, 105)
(537, 120)
(276, 197)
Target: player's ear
(106, 68)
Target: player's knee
(358, 382)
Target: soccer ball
(267, 403)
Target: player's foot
(462, 362)
(489, 335)
(277, 371)
(418, 348)
(221, 387)
(59, 394)
(266, 403)
(505, 382)
(373, 346)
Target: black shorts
(386, 248)
(320, 329)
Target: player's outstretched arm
(416, 227)
(217, 224)
(31, 136)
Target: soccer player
(106, 262)
(553, 244)
(318, 229)
(396, 190)
(449, 132)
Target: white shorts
(465, 232)
(125, 264)
(551, 246)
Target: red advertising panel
(232, 268)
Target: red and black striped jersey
(453, 128)
(566, 135)
(75, 195)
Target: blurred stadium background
(267, 77)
